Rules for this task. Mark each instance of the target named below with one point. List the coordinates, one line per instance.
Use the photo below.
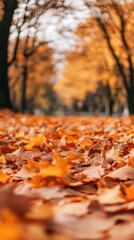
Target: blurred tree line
(101, 68)
(98, 71)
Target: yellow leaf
(36, 141)
(10, 228)
(59, 168)
(3, 177)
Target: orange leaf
(36, 141)
(10, 228)
(3, 177)
(59, 168)
(129, 192)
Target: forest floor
(66, 178)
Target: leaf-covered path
(66, 178)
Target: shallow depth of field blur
(67, 57)
(67, 173)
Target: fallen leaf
(123, 173)
(128, 192)
(3, 177)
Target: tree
(21, 50)
(7, 59)
(26, 12)
(85, 66)
(114, 20)
(31, 74)
(9, 7)
(40, 69)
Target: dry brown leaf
(91, 226)
(93, 172)
(110, 196)
(123, 173)
(73, 208)
(18, 204)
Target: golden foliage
(92, 61)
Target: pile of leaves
(66, 178)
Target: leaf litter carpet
(66, 178)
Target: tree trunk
(5, 101)
(128, 82)
(111, 105)
(111, 100)
(23, 97)
(5, 24)
(130, 100)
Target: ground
(66, 178)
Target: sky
(60, 30)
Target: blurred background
(67, 57)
